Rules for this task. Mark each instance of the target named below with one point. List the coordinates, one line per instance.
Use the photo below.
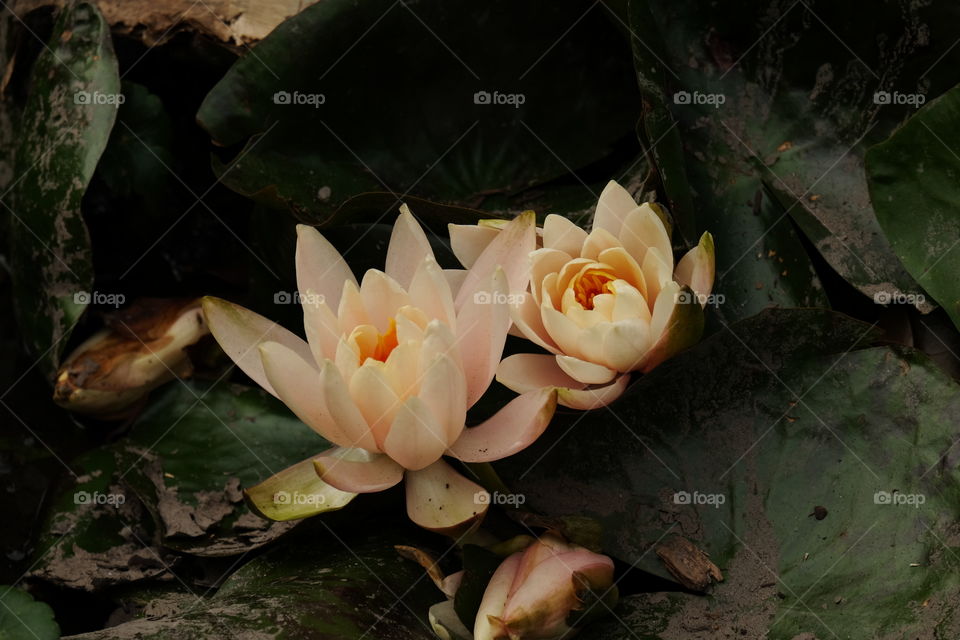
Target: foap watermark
(497, 297)
(512, 99)
(295, 297)
(497, 498)
(298, 98)
(96, 97)
(287, 498)
(895, 97)
(98, 297)
(711, 499)
(711, 99)
(703, 299)
(898, 297)
(896, 498)
(87, 497)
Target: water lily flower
(533, 592)
(603, 303)
(390, 367)
(143, 347)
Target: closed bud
(540, 592)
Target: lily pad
(775, 113)
(440, 114)
(913, 185)
(74, 93)
(174, 483)
(320, 589)
(22, 618)
(823, 486)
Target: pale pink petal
(677, 324)
(430, 292)
(408, 248)
(542, 263)
(342, 409)
(469, 240)
(526, 318)
(240, 331)
(549, 587)
(495, 599)
(455, 278)
(628, 303)
(298, 386)
(585, 318)
(663, 310)
(593, 397)
(625, 267)
(444, 390)
(348, 357)
(321, 326)
(382, 297)
(542, 549)
(643, 230)
(482, 325)
(657, 271)
(697, 268)
(597, 242)
(320, 267)
(402, 368)
(617, 345)
(439, 338)
(528, 371)
(351, 313)
(442, 500)
(612, 208)
(416, 439)
(564, 331)
(451, 583)
(357, 470)
(604, 303)
(560, 233)
(510, 250)
(549, 292)
(570, 271)
(411, 322)
(513, 428)
(524, 372)
(585, 372)
(376, 399)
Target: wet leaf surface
(64, 129)
(735, 442)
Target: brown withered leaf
(688, 563)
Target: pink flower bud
(533, 592)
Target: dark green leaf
(65, 126)
(914, 186)
(321, 589)
(174, 482)
(21, 618)
(734, 444)
(797, 83)
(410, 122)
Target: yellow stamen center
(385, 344)
(591, 283)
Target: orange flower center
(384, 345)
(590, 283)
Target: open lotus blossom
(603, 303)
(533, 592)
(390, 367)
